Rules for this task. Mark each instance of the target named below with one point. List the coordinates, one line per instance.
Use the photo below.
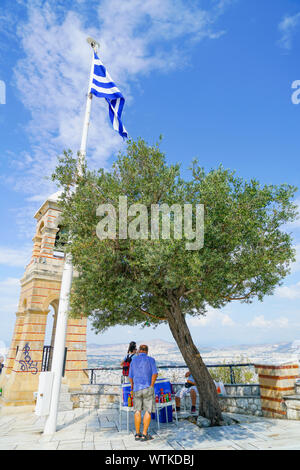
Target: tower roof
(53, 198)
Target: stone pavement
(82, 429)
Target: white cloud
(9, 283)
(296, 265)
(212, 318)
(136, 38)
(9, 299)
(9, 295)
(260, 322)
(287, 27)
(14, 257)
(296, 224)
(38, 198)
(289, 292)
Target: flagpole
(86, 123)
(66, 282)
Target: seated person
(189, 388)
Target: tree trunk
(208, 398)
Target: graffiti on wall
(27, 364)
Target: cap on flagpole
(93, 42)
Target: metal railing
(93, 376)
(47, 359)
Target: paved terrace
(82, 429)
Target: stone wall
(244, 399)
(276, 382)
(292, 404)
(103, 396)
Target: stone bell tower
(40, 289)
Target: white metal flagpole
(82, 152)
(66, 283)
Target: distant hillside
(155, 345)
(167, 353)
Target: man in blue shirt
(142, 377)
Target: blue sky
(214, 77)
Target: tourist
(142, 377)
(189, 388)
(1, 363)
(125, 364)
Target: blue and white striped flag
(103, 87)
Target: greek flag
(103, 87)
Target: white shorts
(186, 391)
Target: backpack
(126, 365)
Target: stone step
(65, 402)
(65, 406)
(64, 388)
(65, 397)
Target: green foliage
(246, 253)
(242, 374)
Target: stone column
(23, 378)
(275, 383)
(37, 240)
(48, 240)
(76, 356)
(14, 346)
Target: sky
(214, 77)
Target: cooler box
(126, 389)
(167, 388)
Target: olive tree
(152, 280)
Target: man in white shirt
(189, 388)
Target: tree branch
(151, 315)
(240, 298)
(187, 292)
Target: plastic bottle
(129, 401)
